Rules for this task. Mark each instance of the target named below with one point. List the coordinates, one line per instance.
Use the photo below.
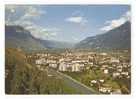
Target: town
(105, 72)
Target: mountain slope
(118, 38)
(18, 37)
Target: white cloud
(75, 38)
(116, 22)
(77, 19)
(26, 19)
(19, 14)
(32, 12)
(42, 32)
(11, 7)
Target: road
(81, 88)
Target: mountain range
(118, 38)
(18, 37)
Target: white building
(125, 73)
(103, 54)
(53, 65)
(106, 71)
(93, 81)
(40, 61)
(73, 67)
(61, 60)
(63, 67)
(114, 60)
(51, 61)
(116, 74)
(76, 67)
(101, 80)
(105, 89)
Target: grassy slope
(23, 78)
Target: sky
(69, 23)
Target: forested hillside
(23, 78)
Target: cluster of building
(77, 62)
(113, 65)
(63, 62)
